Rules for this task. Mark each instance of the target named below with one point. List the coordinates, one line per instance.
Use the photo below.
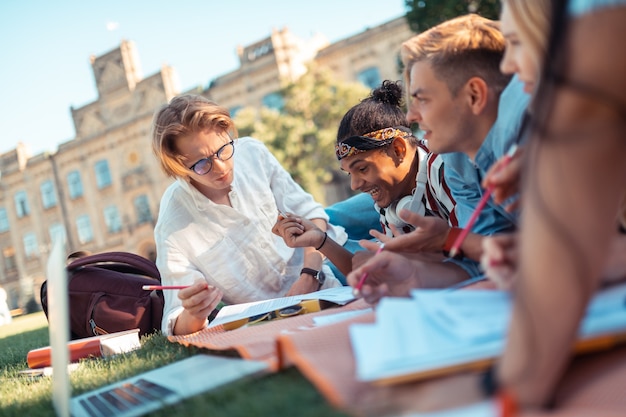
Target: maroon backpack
(106, 295)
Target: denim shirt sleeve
(464, 178)
(507, 129)
(471, 267)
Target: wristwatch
(319, 276)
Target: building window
(57, 231)
(48, 196)
(274, 101)
(103, 174)
(112, 219)
(85, 233)
(21, 204)
(142, 209)
(4, 220)
(74, 184)
(31, 248)
(8, 254)
(370, 77)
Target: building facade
(101, 190)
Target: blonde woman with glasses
(214, 231)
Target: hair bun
(389, 92)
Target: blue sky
(45, 47)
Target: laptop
(142, 393)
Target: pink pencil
(481, 204)
(357, 290)
(164, 287)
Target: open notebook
(437, 333)
(140, 394)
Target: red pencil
(164, 287)
(461, 237)
(357, 290)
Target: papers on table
(435, 330)
(230, 313)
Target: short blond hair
(459, 49)
(184, 115)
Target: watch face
(321, 277)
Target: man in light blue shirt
(464, 175)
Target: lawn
(286, 393)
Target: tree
(424, 14)
(302, 134)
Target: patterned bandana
(373, 140)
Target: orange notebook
(97, 346)
(592, 386)
(258, 342)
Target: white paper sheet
(230, 313)
(438, 329)
(480, 409)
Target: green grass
(286, 393)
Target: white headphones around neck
(412, 202)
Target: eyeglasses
(204, 166)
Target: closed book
(97, 346)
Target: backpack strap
(118, 261)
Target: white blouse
(233, 248)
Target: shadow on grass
(13, 349)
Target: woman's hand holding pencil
(198, 300)
(504, 177)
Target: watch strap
(319, 276)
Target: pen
(481, 204)
(164, 287)
(357, 290)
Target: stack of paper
(435, 332)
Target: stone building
(101, 190)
